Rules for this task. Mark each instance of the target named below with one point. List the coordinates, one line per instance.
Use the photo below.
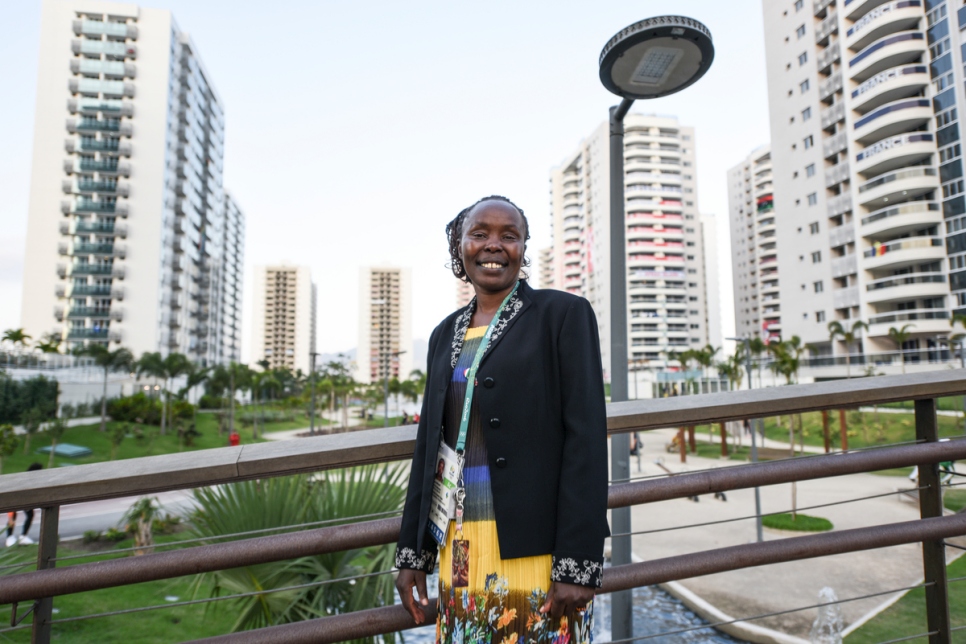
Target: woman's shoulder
(556, 300)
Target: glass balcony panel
(91, 289)
(93, 249)
(88, 312)
(88, 334)
(99, 125)
(109, 47)
(97, 86)
(87, 104)
(109, 67)
(102, 28)
(95, 165)
(91, 269)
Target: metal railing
(53, 488)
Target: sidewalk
(767, 589)
(71, 422)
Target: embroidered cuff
(571, 571)
(408, 558)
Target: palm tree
(50, 343)
(836, 330)
(285, 501)
(142, 515)
(118, 360)
(195, 377)
(15, 337)
(55, 430)
(757, 347)
(899, 336)
(165, 368)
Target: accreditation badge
(443, 507)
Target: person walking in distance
(28, 519)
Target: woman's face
(492, 247)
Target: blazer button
(495, 423)
(488, 383)
(501, 462)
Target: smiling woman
(518, 515)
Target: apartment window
(810, 170)
(813, 228)
(817, 257)
(941, 83)
(820, 316)
(803, 86)
(945, 118)
(817, 286)
(950, 153)
(957, 263)
(939, 48)
(808, 141)
(800, 31)
(952, 188)
(812, 199)
(690, 258)
(803, 58)
(806, 113)
(799, 4)
(936, 15)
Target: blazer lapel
(519, 303)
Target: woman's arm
(578, 556)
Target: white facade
(666, 298)
(712, 284)
(283, 318)
(868, 176)
(464, 293)
(127, 210)
(754, 251)
(385, 324)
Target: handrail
(153, 474)
(260, 550)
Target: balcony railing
(103, 227)
(88, 334)
(151, 475)
(85, 248)
(905, 280)
(90, 289)
(903, 244)
(88, 185)
(98, 165)
(88, 205)
(91, 269)
(88, 312)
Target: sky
(356, 130)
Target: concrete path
(71, 422)
(783, 586)
(895, 410)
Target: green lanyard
(471, 374)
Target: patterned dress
(502, 600)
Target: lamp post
(648, 59)
(754, 442)
(312, 355)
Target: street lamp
(648, 59)
(754, 442)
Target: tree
(118, 360)
(31, 424)
(285, 501)
(141, 516)
(195, 376)
(117, 435)
(50, 343)
(15, 337)
(849, 337)
(55, 431)
(8, 443)
(899, 336)
(166, 368)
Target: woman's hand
(564, 598)
(405, 581)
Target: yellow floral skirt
(502, 600)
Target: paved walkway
(71, 422)
(782, 586)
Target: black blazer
(541, 399)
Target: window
(808, 141)
(803, 58)
(800, 31)
(813, 228)
(810, 170)
(812, 199)
(806, 113)
(957, 263)
(799, 4)
(803, 86)
(939, 48)
(936, 15)
(952, 188)
(820, 316)
(817, 257)
(817, 286)
(950, 153)
(945, 118)
(942, 82)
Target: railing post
(933, 552)
(46, 553)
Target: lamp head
(656, 57)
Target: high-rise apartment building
(130, 240)
(284, 317)
(754, 251)
(864, 99)
(464, 293)
(385, 324)
(667, 304)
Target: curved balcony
(896, 220)
(926, 321)
(895, 152)
(85, 248)
(897, 49)
(888, 86)
(908, 183)
(91, 269)
(903, 252)
(906, 287)
(88, 312)
(892, 118)
(882, 21)
(101, 290)
(88, 334)
(854, 9)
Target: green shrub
(92, 536)
(208, 401)
(800, 523)
(135, 409)
(115, 535)
(17, 397)
(954, 500)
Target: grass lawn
(908, 615)
(951, 403)
(100, 443)
(799, 523)
(161, 625)
(954, 500)
(865, 429)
